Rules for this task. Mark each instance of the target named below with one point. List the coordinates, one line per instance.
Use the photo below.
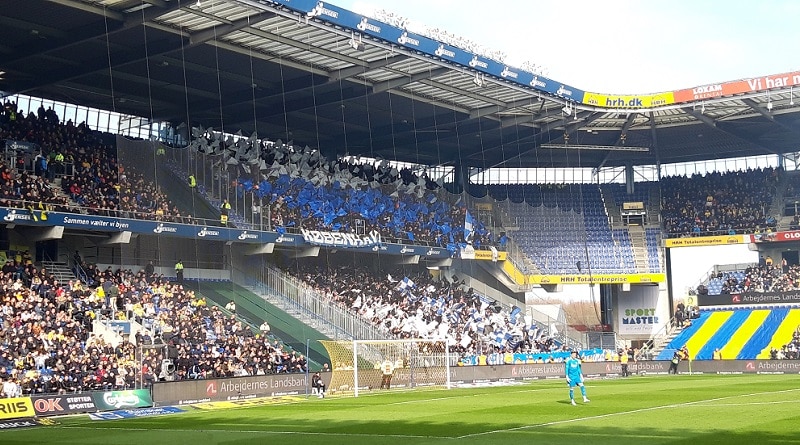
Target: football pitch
(649, 410)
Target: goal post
(374, 365)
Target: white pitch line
(207, 431)
(622, 413)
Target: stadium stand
(719, 203)
(562, 225)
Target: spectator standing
(179, 271)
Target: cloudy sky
(622, 46)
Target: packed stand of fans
(418, 305)
(48, 345)
(302, 189)
(719, 203)
(92, 177)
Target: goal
(375, 365)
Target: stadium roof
(246, 64)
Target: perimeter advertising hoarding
(16, 408)
(56, 405)
(133, 398)
(188, 392)
(749, 298)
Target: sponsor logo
(162, 228)
(405, 39)
(736, 299)
(16, 407)
(320, 9)
(205, 231)
(508, 73)
(284, 239)
(406, 250)
(564, 91)
(707, 91)
(365, 25)
(244, 236)
(48, 405)
(23, 423)
(476, 62)
(442, 51)
(120, 399)
(750, 366)
(13, 216)
(431, 252)
(211, 389)
(535, 82)
(791, 235)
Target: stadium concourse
(403, 102)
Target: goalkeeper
(572, 368)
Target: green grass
(741, 409)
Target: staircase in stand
(61, 271)
(639, 245)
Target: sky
(621, 46)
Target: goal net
(374, 365)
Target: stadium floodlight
(594, 147)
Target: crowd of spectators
(48, 345)
(789, 351)
(415, 304)
(760, 278)
(91, 176)
(719, 203)
(301, 189)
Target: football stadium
(245, 221)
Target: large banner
(754, 84)
(641, 312)
(749, 298)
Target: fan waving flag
(469, 226)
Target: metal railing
(272, 283)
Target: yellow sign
(704, 241)
(16, 408)
(624, 101)
(483, 206)
(638, 278)
(486, 255)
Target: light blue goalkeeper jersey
(572, 368)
